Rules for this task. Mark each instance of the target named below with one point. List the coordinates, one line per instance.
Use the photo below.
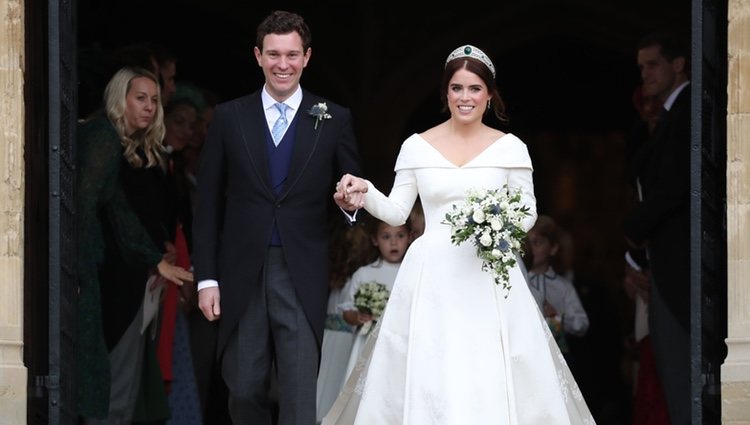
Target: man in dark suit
(267, 176)
(660, 222)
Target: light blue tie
(280, 125)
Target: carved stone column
(735, 373)
(12, 370)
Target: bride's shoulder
(415, 152)
(414, 138)
(514, 150)
(510, 139)
(412, 143)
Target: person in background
(350, 248)
(659, 224)
(193, 149)
(175, 357)
(202, 333)
(391, 243)
(117, 253)
(649, 404)
(555, 295)
(166, 60)
(97, 66)
(268, 170)
(416, 220)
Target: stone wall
(13, 375)
(735, 372)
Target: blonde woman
(116, 251)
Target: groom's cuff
(351, 218)
(208, 283)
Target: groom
(260, 237)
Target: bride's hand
(351, 184)
(350, 192)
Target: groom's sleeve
(347, 155)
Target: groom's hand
(208, 301)
(341, 202)
(350, 192)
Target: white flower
(371, 297)
(485, 239)
(491, 219)
(478, 216)
(320, 112)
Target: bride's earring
(489, 105)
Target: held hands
(350, 192)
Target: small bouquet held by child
(371, 298)
(491, 219)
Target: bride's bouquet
(491, 219)
(371, 298)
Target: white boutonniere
(320, 112)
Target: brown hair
(546, 227)
(283, 22)
(350, 248)
(671, 46)
(477, 67)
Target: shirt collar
(292, 101)
(548, 274)
(670, 100)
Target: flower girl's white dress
(338, 338)
(451, 348)
(380, 271)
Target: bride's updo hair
(477, 67)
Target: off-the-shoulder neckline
(467, 162)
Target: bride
(453, 347)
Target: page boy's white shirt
(562, 295)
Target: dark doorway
(708, 232)
(49, 250)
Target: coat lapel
(305, 143)
(253, 126)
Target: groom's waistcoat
(279, 159)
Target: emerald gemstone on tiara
(468, 50)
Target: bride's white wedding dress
(451, 348)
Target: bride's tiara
(469, 51)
